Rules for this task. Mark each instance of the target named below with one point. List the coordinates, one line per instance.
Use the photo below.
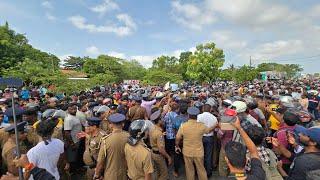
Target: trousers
(190, 162)
(208, 151)
(160, 166)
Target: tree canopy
(19, 59)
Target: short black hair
(193, 116)
(290, 118)
(183, 108)
(206, 108)
(236, 154)
(256, 134)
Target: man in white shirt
(72, 126)
(209, 120)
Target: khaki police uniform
(112, 154)
(192, 132)
(139, 161)
(136, 112)
(4, 136)
(32, 135)
(156, 141)
(9, 153)
(91, 152)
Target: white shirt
(73, 124)
(47, 156)
(209, 120)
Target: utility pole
(250, 62)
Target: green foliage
(167, 63)
(160, 77)
(14, 49)
(104, 64)
(33, 71)
(75, 63)
(183, 63)
(290, 69)
(246, 73)
(204, 65)
(103, 79)
(133, 70)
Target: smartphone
(227, 126)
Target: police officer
(191, 132)
(93, 136)
(30, 116)
(137, 154)
(137, 111)
(9, 151)
(158, 148)
(111, 154)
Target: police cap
(193, 111)
(93, 121)
(116, 118)
(21, 126)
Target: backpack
(271, 171)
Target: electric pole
(250, 62)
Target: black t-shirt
(304, 163)
(256, 171)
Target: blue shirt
(169, 124)
(180, 119)
(25, 94)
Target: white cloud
(191, 15)
(50, 17)
(47, 4)
(106, 6)
(128, 25)
(63, 58)
(93, 50)
(253, 13)
(117, 54)
(227, 40)
(272, 50)
(315, 11)
(144, 60)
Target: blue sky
(286, 31)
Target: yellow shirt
(274, 123)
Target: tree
(75, 63)
(133, 70)
(183, 63)
(160, 77)
(166, 63)
(291, 70)
(205, 63)
(246, 73)
(14, 49)
(32, 71)
(104, 65)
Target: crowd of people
(255, 130)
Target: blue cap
(116, 118)
(193, 111)
(93, 121)
(21, 126)
(300, 129)
(314, 134)
(136, 98)
(155, 115)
